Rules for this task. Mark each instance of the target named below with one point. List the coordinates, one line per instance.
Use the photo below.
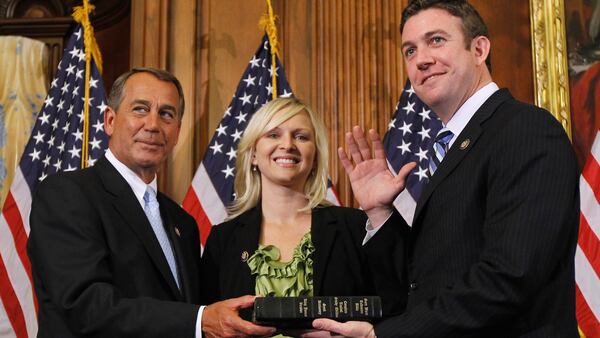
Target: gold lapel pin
(177, 232)
(245, 256)
(465, 144)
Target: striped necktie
(440, 148)
(152, 210)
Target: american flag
(211, 190)
(54, 145)
(409, 139)
(587, 255)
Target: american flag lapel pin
(465, 144)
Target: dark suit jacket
(491, 249)
(97, 266)
(339, 262)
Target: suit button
(413, 286)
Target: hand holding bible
(221, 319)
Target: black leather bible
(299, 312)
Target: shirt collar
(135, 182)
(463, 115)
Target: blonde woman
(282, 237)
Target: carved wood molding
(21, 13)
(32, 8)
(551, 77)
(36, 27)
(108, 13)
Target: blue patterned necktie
(440, 148)
(152, 210)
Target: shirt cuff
(371, 231)
(199, 322)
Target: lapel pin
(465, 144)
(245, 256)
(177, 232)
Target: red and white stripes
(587, 256)
(18, 312)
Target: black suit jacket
(491, 249)
(97, 266)
(339, 262)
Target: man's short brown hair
(472, 23)
(116, 92)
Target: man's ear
(109, 120)
(481, 48)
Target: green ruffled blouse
(283, 279)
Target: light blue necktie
(152, 211)
(440, 148)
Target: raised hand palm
(373, 184)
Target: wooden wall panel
(149, 23)
(182, 61)
(510, 33)
(201, 125)
(356, 78)
(113, 42)
(233, 37)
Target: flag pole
(267, 22)
(81, 15)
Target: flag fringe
(267, 23)
(81, 15)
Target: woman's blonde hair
(247, 184)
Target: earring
(254, 168)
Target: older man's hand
(222, 319)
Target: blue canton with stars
(410, 137)
(253, 91)
(57, 136)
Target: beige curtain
(23, 87)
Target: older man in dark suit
(113, 257)
(491, 249)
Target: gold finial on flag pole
(81, 15)
(267, 22)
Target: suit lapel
(246, 238)
(451, 160)
(323, 231)
(461, 147)
(133, 215)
